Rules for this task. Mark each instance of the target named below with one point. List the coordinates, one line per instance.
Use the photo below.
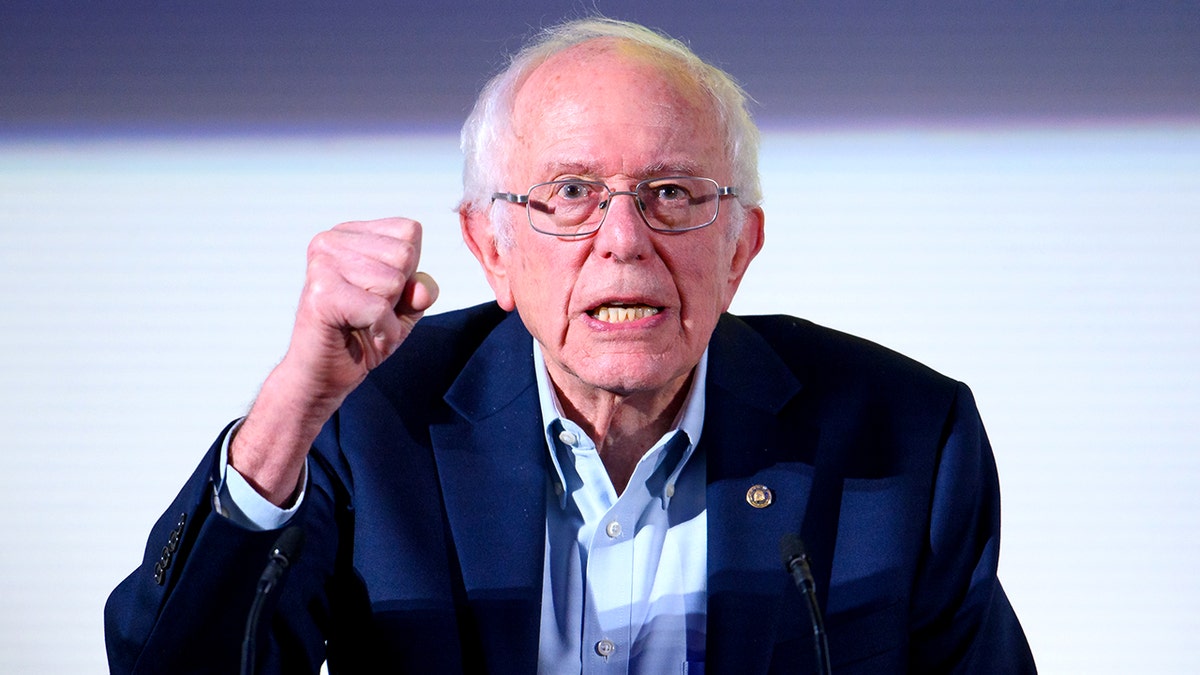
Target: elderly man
(593, 473)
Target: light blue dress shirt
(625, 577)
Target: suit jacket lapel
(491, 464)
(749, 444)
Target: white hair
(486, 136)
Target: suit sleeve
(184, 609)
(962, 620)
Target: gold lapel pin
(759, 496)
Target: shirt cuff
(235, 499)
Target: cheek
(704, 279)
(542, 281)
(702, 301)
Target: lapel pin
(759, 496)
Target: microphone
(285, 552)
(795, 561)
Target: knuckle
(410, 227)
(319, 245)
(377, 306)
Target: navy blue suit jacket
(425, 519)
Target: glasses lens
(679, 203)
(566, 208)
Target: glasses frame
(513, 198)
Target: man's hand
(362, 296)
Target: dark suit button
(159, 573)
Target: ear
(479, 236)
(747, 245)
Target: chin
(648, 376)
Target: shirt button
(670, 489)
(606, 648)
(613, 529)
(568, 438)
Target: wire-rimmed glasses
(576, 208)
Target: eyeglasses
(577, 208)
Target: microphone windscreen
(289, 544)
(790, 548)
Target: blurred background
(1009, 192)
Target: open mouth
(622, 313)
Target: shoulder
(443, 343)
(460, 330)
(406, 393)
(837, 364)
(793, 336)
(429, 361)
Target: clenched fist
(362, 296)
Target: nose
(624, 235)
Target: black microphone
(795, 561)
(284, 553)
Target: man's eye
(669, 192)
(574, 190)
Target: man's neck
(624, 426)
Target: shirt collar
(690, 420)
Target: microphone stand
(284, 553)
(795, 561)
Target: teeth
(620, 314)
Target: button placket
(610, 559)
